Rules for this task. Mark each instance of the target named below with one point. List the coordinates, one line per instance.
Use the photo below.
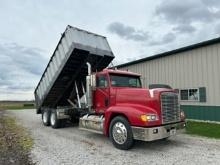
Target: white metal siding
(196, 68)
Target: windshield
(125, 80)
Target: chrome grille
(169, 107)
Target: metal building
(193, 70)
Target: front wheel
(120, 133)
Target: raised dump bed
(68, 65)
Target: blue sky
(30, 30)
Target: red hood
(138, 95)
(139, 101)
(141, 96)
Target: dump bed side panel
(68, 65)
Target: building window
(189, 94)
(194, 94)
(184, 94)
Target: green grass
(16, 105)
(11, 107)
(210, 130)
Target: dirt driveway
(73, 146)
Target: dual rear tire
(49, 118)
(54, 121)
(46, 117)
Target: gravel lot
(73, 146)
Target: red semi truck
(76, 86)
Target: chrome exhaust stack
(89, 86)
(89, 68)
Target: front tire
(46, 117)
(54, 121)
(120, 133)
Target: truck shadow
(159, 145)
(70, 124)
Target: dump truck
(77, 86)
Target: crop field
(13, 105)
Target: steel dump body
(68, 65)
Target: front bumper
(156, 133)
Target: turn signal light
(148, 117)
(143, 117)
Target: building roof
(172, 52)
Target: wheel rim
(52, 119)
(119, 132)
(45, 117)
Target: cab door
(101, 100)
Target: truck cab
(124, 110)
(108, 82)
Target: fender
(132, 112)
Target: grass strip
(211, 130)
(15, 143)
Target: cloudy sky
(30, 30)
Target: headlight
(149, 117)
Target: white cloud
(128, 32)
(20, 70)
